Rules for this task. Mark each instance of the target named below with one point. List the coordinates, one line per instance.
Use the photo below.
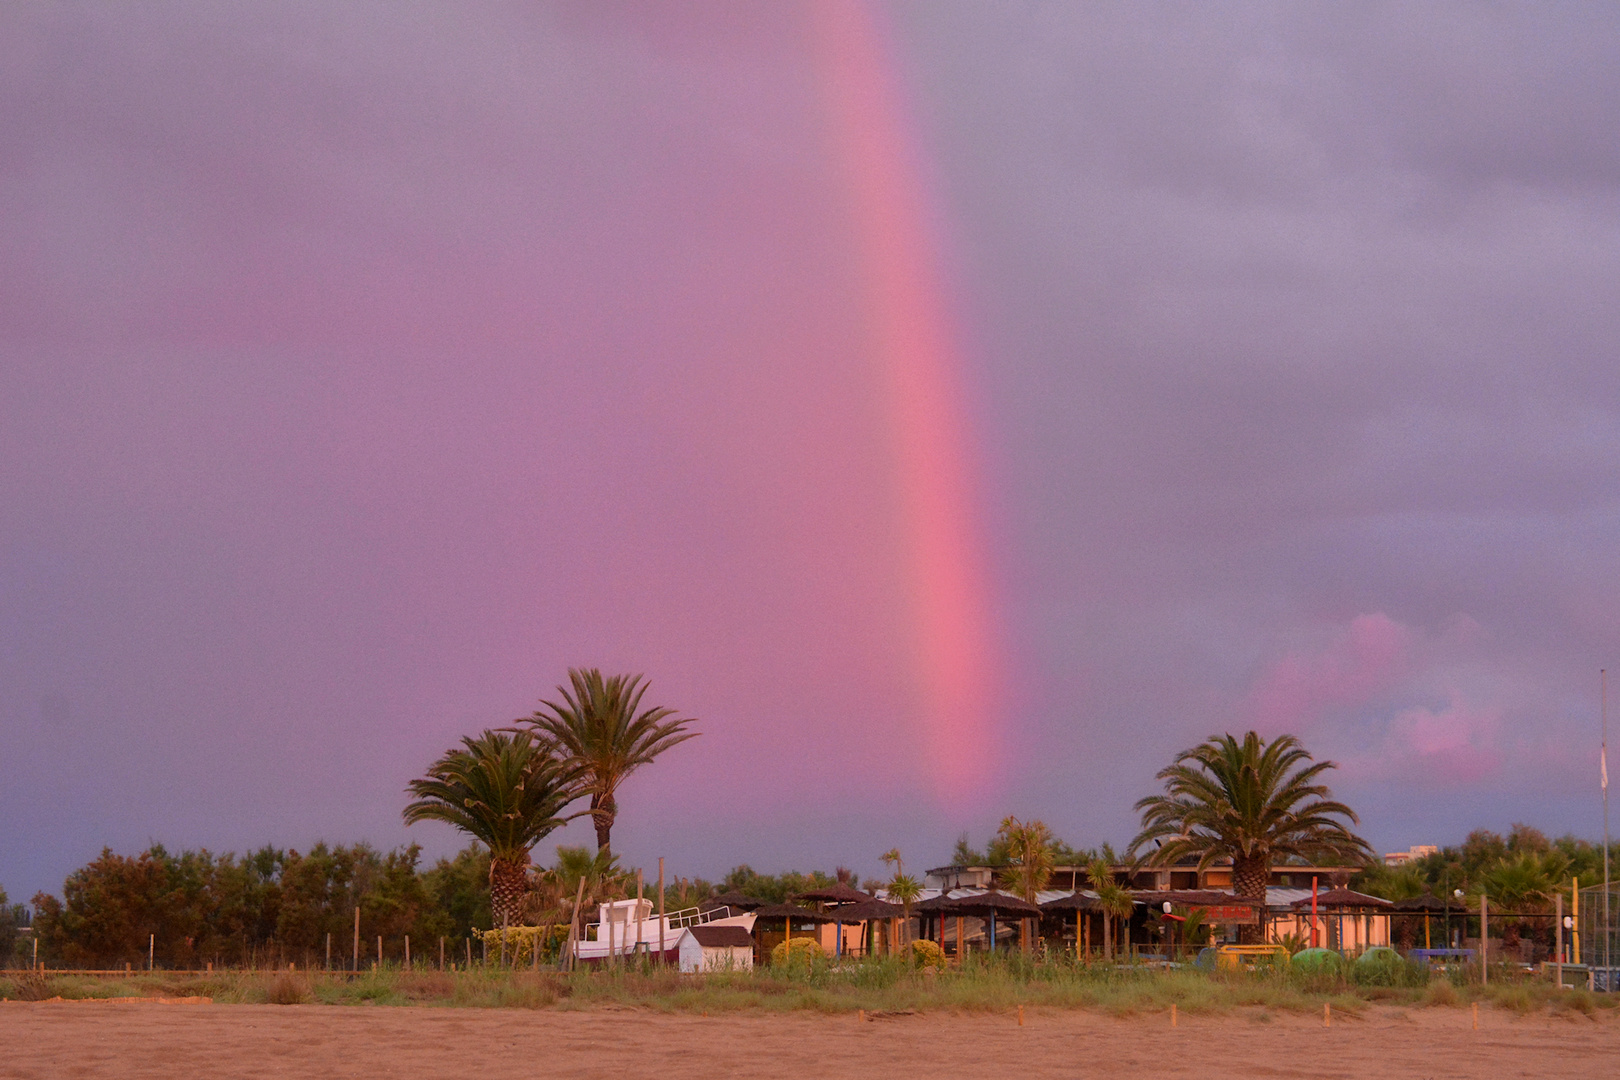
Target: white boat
(629, 927)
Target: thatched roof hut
(836, 893)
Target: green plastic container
(1318, 962)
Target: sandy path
(147, 1040)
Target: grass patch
(880, 986)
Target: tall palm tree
(1250, 801)
(597, 727)
(1029, 849)
(504, 789)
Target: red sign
(1230, 913)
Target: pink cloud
(1366, 660)
(1454, 745)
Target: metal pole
(1603, 765)
(1558, 938)
(1575, 917)
(661, 944)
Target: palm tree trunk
(1249, 879)
(603, 810)
(508, 884)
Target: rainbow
(954, 647)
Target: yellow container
(1240, 957)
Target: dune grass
(876, 985)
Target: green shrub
(925, 953)
(805, 950)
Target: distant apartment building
(1412, 854)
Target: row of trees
(275, 905)
(195, 907)
(1248, 800)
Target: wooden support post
(1484, 944)
(441, 952)
(1172, 1014)
(637, 946)
(357, 938)
(379, 950)
(407, 952)
(151, 952)
(661, 945)
(573, 925)
(328, 950)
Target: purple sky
(361, 368)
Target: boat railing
(678, 920)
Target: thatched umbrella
(1428, 904)
(867, 912)
(938, 907)
(841, 894)
(1077, 902)
(987, 905)
(871, 909)
(787, 913)
(836, 893)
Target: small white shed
(716, 948)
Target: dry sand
(73, 1039)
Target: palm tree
(902, 889)
(1029, 849)
(504, 789)
(1252, 802)
(1113, 900)
(1522, 884)
(598, 728)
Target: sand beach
(149, 1039)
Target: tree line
(1251, 801)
